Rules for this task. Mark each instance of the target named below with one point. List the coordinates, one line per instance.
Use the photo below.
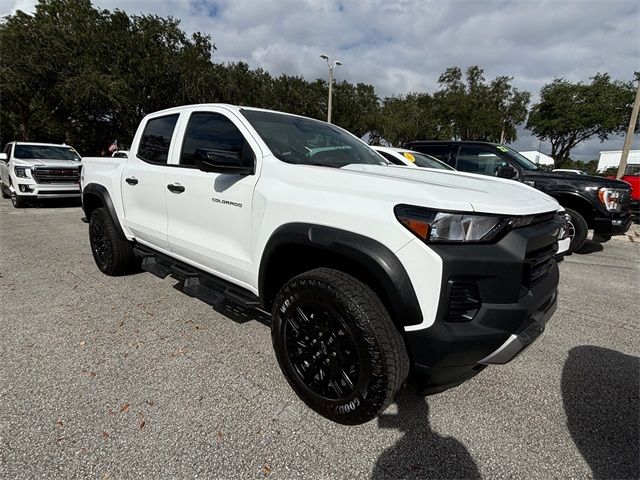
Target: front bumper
(616, 224)
(511, 315)
(30, 189)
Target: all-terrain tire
(324, 304)
(18, 201)
(112, 252)
(580, 230)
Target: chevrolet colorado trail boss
(371, 272)
(590, 202)
(36, 171)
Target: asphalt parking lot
(126, 377)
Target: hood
(575, 179)
(437, 187)
(44, 162)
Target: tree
(469, 108)
(405, 118)
(72, 73)
(355, 107)
(570, 113)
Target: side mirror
(4, 157)
(506, 171)
(226, 161)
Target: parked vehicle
(370, 272)
(409, 158)
(632, 177)
(591, 202)
(30, 171)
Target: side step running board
(203, 286)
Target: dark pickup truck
(592, 202)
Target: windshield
(310, 142)
(522, 161)
(425, 161)
(48, 152)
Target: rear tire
(112, 252)
(337, 346)
(578, 225)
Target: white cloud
(402, 46)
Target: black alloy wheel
(322, 350)
(337, 345)
(100, 247)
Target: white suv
(30, 171)
(372, 274)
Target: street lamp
(331, 66)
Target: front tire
(112, 252)
(578, 230)
(18, 201)
(337, 346)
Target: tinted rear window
(156, 139)
(437, 151)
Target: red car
(632, 177)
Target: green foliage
(478, 110)
(569, 113)
(465, 107)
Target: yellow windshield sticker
(409, 157)
(501, 148)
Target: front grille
(537, 265)
(60, 192)
(56, 175)
(464, 301)
(544, 217)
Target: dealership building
(611, 158)
(538, 157)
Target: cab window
(209, 132)
(156, 139)
(479, 159)
(439, 151)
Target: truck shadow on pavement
(600, 392)
(421, 452)
(590, 246)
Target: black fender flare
(102, 194)
(377, 259)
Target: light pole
(331, 66)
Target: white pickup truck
(37, 171)
(372, 273)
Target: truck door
(209, 214)
(144, 184)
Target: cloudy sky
(402, 46)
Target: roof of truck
(236, 108)
(40, 144)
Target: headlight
(610, 198)
(21, 172)
(461, 227)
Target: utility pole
(331, 66)
(630, 131)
